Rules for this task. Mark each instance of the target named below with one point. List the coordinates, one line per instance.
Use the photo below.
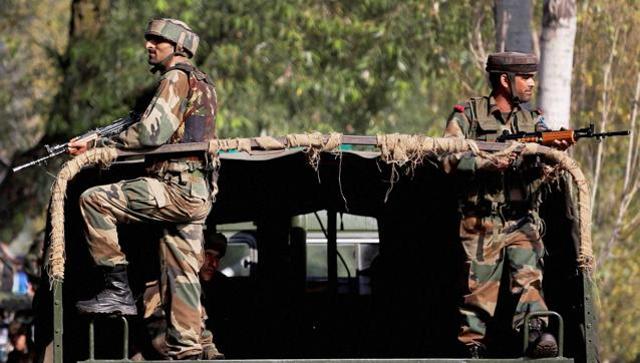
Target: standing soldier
(500, 224)
(176, 192)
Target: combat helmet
(512, 63)
(177, 32)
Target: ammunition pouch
(175, 166)
(185, 172)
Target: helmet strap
(182, 53)
(162, 64)
(515, 100)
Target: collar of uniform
(495, 111)
(184, 65)
(493, 107)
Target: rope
(586, 260)
(56, 254)
(398, 150)
(269, 143)
(395, 149)
(229, 144)
(314, 140)
(314, 145)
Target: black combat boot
(541, 344)
(115, 298)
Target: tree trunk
(23, 195)
(513, 25)
(87, 19)
(27, 79)
(556, 63)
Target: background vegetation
(362, 66)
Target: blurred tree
(513, 25)
(361, 66)
(556, 63)
(79, 66)
(28, 44)
(32, 35)
(605, 83)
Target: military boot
(115, 298)
(541, 344)
(209, 349)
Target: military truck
(334, 255)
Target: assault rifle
(112, 129)
(548, 137)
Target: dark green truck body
(409, 312)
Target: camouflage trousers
(181, 252)
(491, 243)
(156, 326)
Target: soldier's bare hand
(77, 147)
(561, 144)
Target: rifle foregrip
(550, 137)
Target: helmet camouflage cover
(176, 32)
(512, 62)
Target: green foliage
(357, 66)
(354, 66)
(31, 33)
(604, 32)
(361, 66)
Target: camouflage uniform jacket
(480, 119)
(183, 109)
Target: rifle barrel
(618, 133)
(611, 133)
(38, 161)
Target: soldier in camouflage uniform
(176, 192)
(500, 228)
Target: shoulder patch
(458, 108)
